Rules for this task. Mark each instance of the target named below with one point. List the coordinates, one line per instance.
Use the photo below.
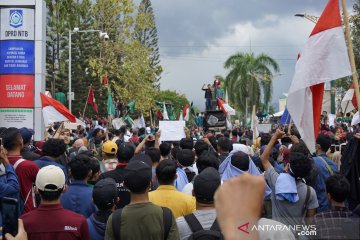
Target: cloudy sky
(197, 36)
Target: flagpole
(351, 53)
(86, 102)
(347, 104)
(290, 125)
(109, 115)
(151, 120)
(254, 123)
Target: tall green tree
(124, 58)
(178, 100)
(84, 47)
(60, 15)
(147, 35)
(249, 76)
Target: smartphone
(337, 148)
(332, 148)
(1, 142)
(10, 214)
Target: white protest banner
(74, 126)
(172, 130)
(70, 125)
(264, 128)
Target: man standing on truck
(208, 96)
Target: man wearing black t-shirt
(124, 154)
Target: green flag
(128, 120)
(110, 106)
(170, 111)
(131, 106)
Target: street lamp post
(76, 30)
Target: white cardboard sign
(172, 130)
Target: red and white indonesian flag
(324, 58)
(54, 111)
(225, 107)
(349, 103)
(186, 112)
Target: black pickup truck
(214, 120)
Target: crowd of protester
(103, 183)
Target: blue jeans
(208, 104)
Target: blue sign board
(16, 18)
(17, 57)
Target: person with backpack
(25, 170)
(202, 223)
(105, 197)
(141, 219)
(185, 171)
(324, 168)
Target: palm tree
(249, 76)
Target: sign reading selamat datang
(17, 68)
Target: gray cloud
(195, 38)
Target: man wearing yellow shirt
(166, 194)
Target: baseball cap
(26, 134)
(137, 176)
(205, 185)
(109, 147)
(50, 175)
(104, 193)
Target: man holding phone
(9, 185)
(25, 170)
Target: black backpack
(189, 174)
(199, 233)
(116, 222)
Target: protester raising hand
(157, 139)
(187, 132)
(279, 134)
(245, 213)
(266, 154)
(294, 139)
(141, 145)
